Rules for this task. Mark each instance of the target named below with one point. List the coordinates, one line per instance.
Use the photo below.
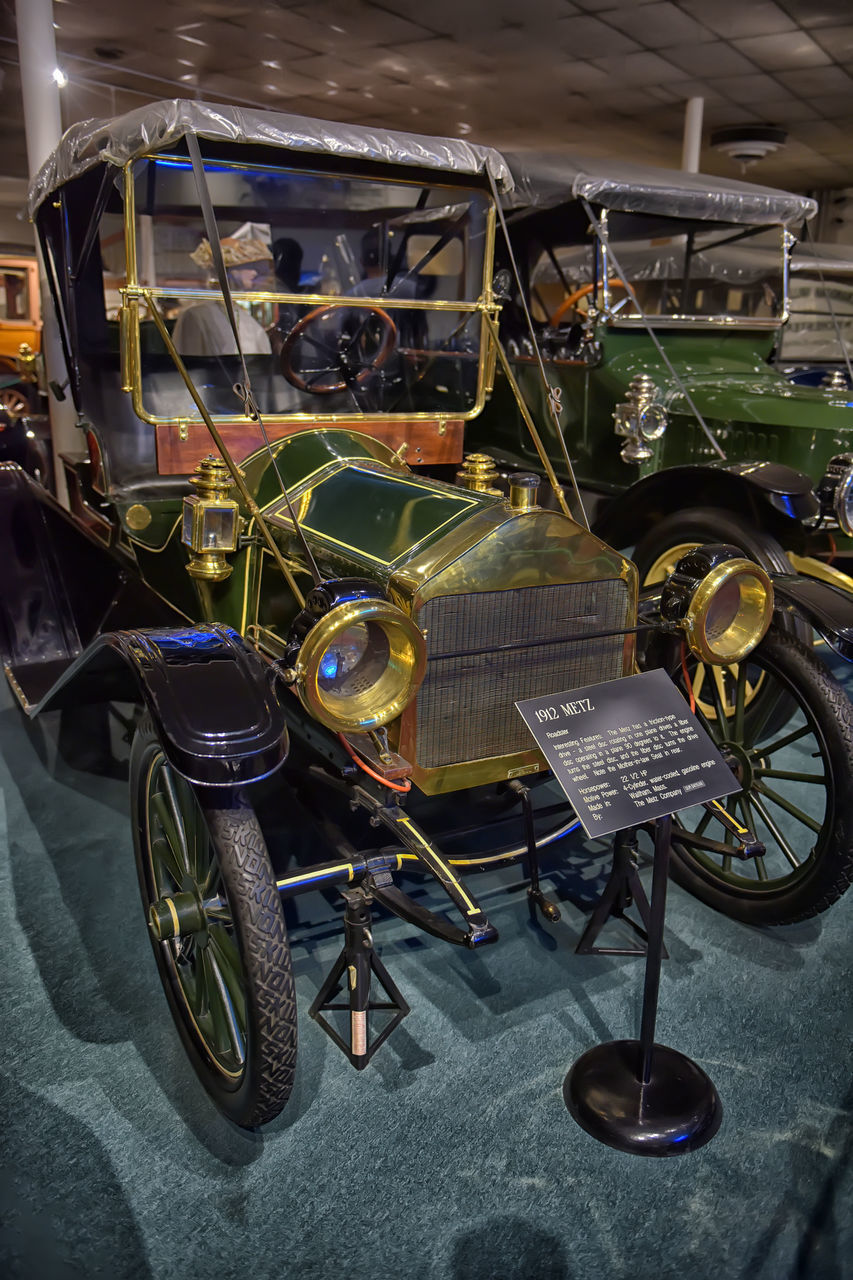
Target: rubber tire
(260, 933)
(709, 524)
(829, 873)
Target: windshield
(820, 327)
(720, 276)
(353, 295)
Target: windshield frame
(612, 317)
(134, 293)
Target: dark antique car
(657, 298)
(269, 323)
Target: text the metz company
(627, 750)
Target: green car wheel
(792, 749)
(218, 933)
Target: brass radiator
(488, 650)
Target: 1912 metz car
(333, 617)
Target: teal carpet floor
(452, 1157)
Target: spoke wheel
(793, 753)
(218, 933)
(15, 401)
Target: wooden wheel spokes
(206, 963)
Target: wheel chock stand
(623, 888)
(361, 965)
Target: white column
(692, 144)
(43, 124)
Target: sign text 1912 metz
(627, 750)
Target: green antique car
(276, 330)
(657, 299)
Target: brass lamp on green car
(210, 524)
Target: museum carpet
(452, 1155)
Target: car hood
(732, 390)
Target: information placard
(627, 750)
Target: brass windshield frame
(133, 293)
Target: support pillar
(43, 125)
(692, 143)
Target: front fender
(211, 696)
(773, 496)
(826, 608)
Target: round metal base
(678, 1110)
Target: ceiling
(601, 77)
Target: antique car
(657, 298)
(276, 329)
(20, 334)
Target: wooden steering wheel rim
(575, 297)
(320, 313)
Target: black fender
(828, 609)
(213, 699)
(774, 497)
(825, 608)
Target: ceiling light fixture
(59, 77)
(747, 144)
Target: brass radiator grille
(465, 704)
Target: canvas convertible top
(155, 126)
(544, 179)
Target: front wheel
(792, 751)
(218, 933)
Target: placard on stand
(626, 752)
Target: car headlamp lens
(843, 503)
(729, 612)
(360, 665)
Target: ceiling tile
(837, 41)
(714, 59)
(637, 68)
(659, 25)
(754, 88)
(366, 22)
(788, 49)
(817, 13)
(586, 37)
(585, 77)
(816, 80)
(787, 112)
(736, 18)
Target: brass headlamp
(355, 658)
(210, 525)
(835, 491)
(721, 601)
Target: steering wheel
(574, 298)
(348, 353)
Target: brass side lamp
(210, 525)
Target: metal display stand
(635, 1095)
(362, 967)
(623, 889)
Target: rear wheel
(218, 932)
(792, 750)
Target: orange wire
(687, 679)
(377, 776)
